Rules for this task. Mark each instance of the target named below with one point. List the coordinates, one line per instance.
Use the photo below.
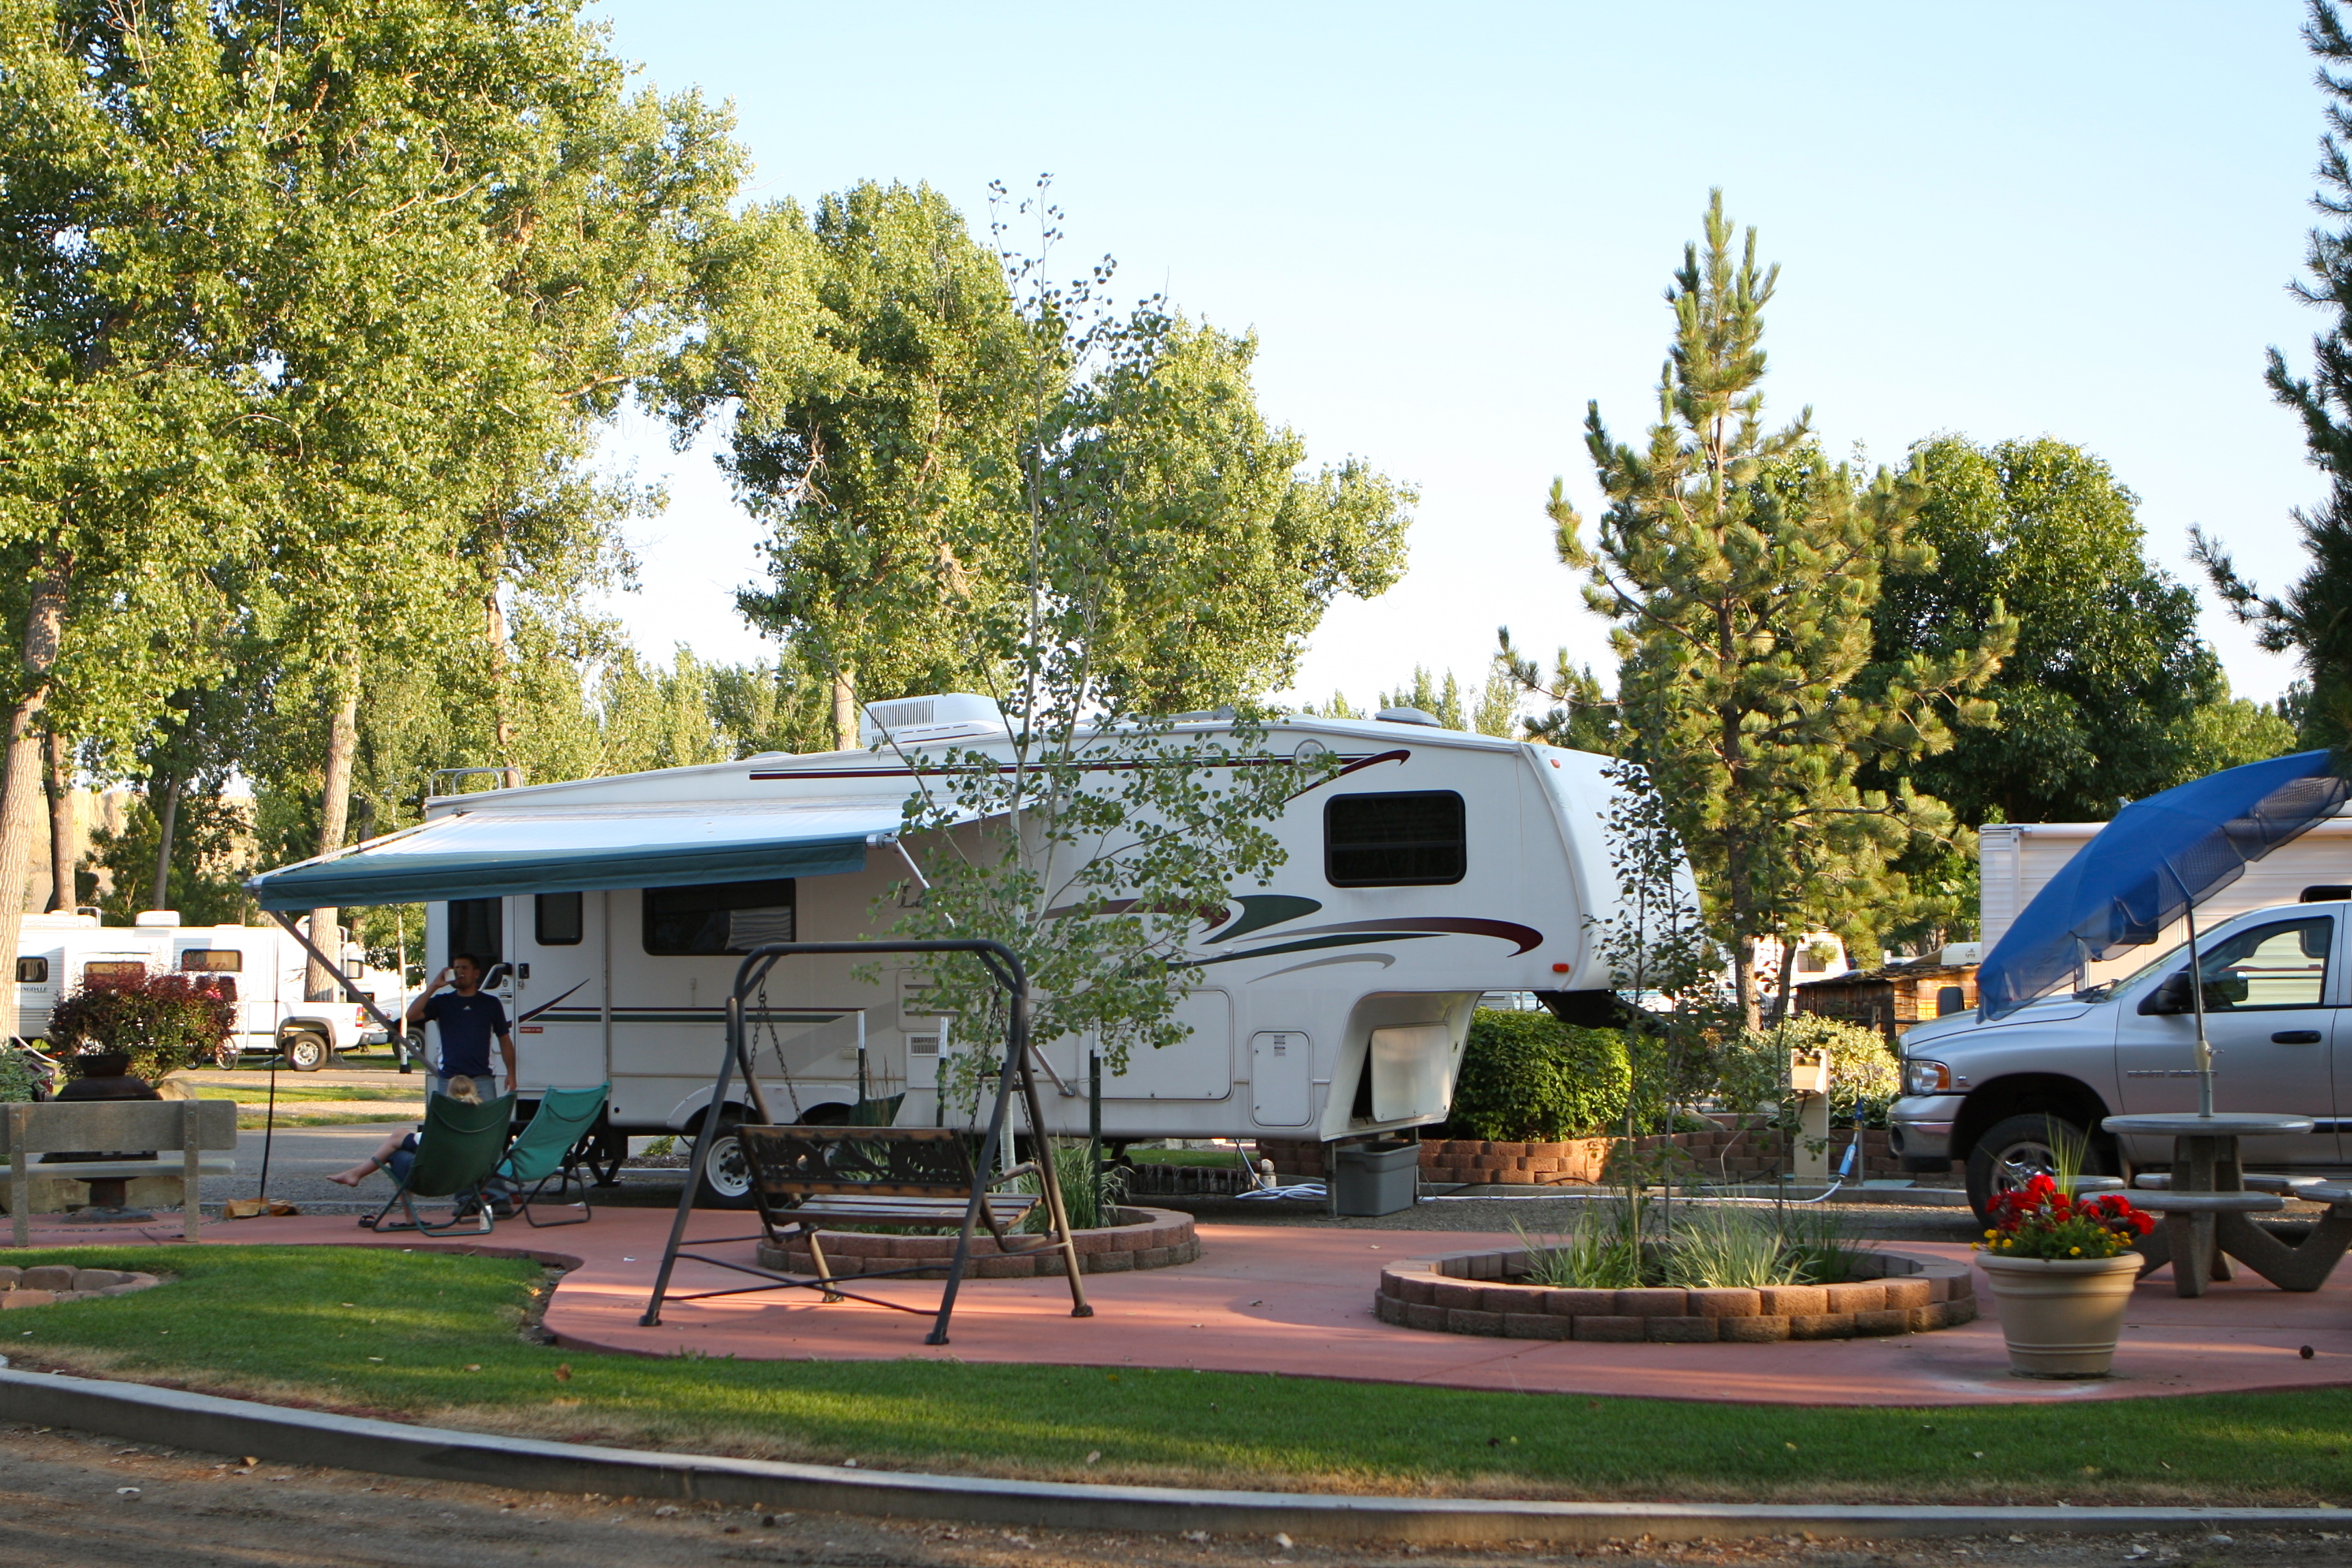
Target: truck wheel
(2016, 1149)
(727, 1175)
(305, 1052)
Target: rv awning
(491, 853)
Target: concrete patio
(1298, 1300)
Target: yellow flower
(1992, 1233)
(2075, 1251)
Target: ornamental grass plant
(1627, 1242)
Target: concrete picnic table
(2209, 1201)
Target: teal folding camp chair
(457, 1151)
(551, 1150)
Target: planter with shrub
(142, 1026)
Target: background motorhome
(54, 953)
(1334, 1001)
(2017, 859)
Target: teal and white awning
(496, 853)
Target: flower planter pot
(2061, 1315)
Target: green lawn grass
(257, 1094)
(250, 1120)
(1226, 1157)
(311, 1323)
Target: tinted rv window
(476, 927)
(32, 971)
(555, 919)
(718, 916)
(212, 961)
(1404, 840)
(113, 969)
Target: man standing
(468, 1016)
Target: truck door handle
(2295, 1037)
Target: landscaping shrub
(162, 1022)
(1528, 1077)
(1864, 1076)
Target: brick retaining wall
(1727, 1155)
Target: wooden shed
(1893, 998)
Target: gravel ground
(73, 1499)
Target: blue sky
(1451, 226)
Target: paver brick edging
(47, 1284)
(1145, 1239)
(1478, 1293)
(137, 1413)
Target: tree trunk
(20, 773)
(844, 708)
(1785, 1003)
(334, 817)
(165, 800)
(63, 893)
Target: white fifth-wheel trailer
(1332, 1003)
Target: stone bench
(190, 1127)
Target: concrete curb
(138, 1413)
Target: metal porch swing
(886, 1176)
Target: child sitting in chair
(399, 1150)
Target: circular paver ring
(53, 1282)
(1145, 1238)
(1485, 1293)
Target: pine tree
(2313, 616)
(1741, 568)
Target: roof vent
(948, 716)
(1408, 715)
(157, 918)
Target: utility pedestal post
(1809, 1082)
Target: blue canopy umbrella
(2152, 865)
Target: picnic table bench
(197, 1129)
(804, 1177)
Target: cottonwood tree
(2106, 675)
(867, 350)
(2313, 617)
(1741, 568)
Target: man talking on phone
(469, 1018)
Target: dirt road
(69, 1499)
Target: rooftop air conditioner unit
(951, 716)
(157, 918)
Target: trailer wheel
(305, 1051)
(727, 1175)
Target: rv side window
(32, 971)
(718, 916)
(212, 961)
(113, 969)
(555, 919)
(1411, 839)
(475, 927)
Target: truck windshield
(2105, 989)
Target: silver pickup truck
(2278, 1010)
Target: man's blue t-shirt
(467, 1025)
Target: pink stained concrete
(1298, 1300)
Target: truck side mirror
(2170, 998)
(1950, 999)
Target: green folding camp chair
(551, 1150)
(457, 1151)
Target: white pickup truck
(56, 953)
(2278, 1011)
